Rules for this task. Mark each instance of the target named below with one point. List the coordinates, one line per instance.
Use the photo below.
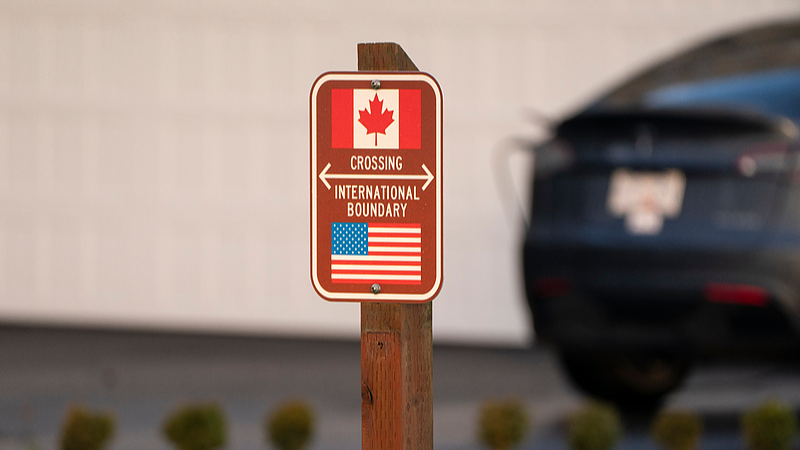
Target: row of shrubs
(503, 425)
(191, 427)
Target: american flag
(389, 253)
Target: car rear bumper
(590, 297)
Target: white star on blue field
(349, 238)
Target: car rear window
(756, 70)
(770, 93)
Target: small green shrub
(596, 426)
(772, 426)
(196, 427)
(678, 430)
(86, 430)
(502, 424)
(290, 426)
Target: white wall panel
(153, 154)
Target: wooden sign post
(396, 339)
(376, 230)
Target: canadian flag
(383, 118)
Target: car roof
(770, 48)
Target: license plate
(645, 199)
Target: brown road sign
(376, 187)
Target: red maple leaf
(375, 120)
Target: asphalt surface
(141, 377)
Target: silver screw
(376, 84)
(376, 288)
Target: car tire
(636, 381)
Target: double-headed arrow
(325, 176)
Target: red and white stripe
(394, 257)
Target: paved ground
(141, 377)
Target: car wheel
(631, 380)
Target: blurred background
(154, 182)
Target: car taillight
(768, 157)
(738, 294)
(553, 156)
(553, 287)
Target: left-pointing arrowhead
(325, 170)
(430, 177)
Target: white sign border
(361, 296)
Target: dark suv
(666, 218)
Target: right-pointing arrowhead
(322, 176)
(430, 177)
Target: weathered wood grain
(396, 339)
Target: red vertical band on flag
(410, 122)
(341, 118)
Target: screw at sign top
(376, 288)
(376, 84)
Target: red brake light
(553, 287)
(738, 294)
